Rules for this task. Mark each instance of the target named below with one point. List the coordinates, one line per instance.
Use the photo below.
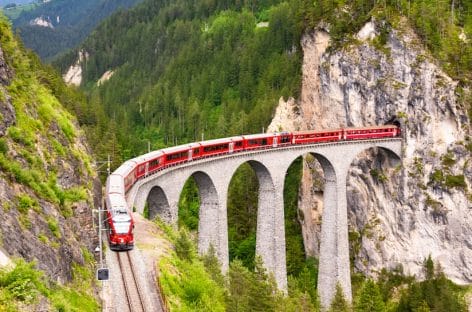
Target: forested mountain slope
(47, 189)
(184, 68)
(59, 25)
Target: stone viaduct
(213, 175)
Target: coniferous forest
(186, 70)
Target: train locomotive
(119, 217)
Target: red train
(119, 217)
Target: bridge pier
(334, 266)
(270, 236)
(212, 223)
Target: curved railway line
(133, 291)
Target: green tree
(369, 298)
(339, 303)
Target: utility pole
(102, 272)
(100, 235)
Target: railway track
(134, 295)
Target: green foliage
(25, 203)
(369, 299)
(189, 205)
(250, 291)
(213, 266)
(294, 247)
(22, 283)
(435, 293)
(242, 215)
(448, 160)
(192, 288)
(3, 146)
(77, 20)
(339, 303)
(184, 247)
(455, 181)
(378, 175)
(54, 227)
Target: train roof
(372, 127)
(118, 207)
(316, 131)
(260, 136)
(126, 168)
(115, 184)
(216, 141)
(174, 149)
(148, 156)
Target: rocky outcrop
(73, 76)
(7, 112)
(46, 184)
(398, 216)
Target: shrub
(25, 203)
(3, 146)
(184, 246)
(455, 181)
(54, 227)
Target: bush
(54, 227)
(3, 146)
(25, 203)
(456, 181)
(184, 246)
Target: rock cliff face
(398, 216)
(49, 222)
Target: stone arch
(158, 205)
(324, 182)
(264, 223)
(209, 212)
(367, 190)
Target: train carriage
(261, 140)
(120, 223)
(375, 132)
(319, 136)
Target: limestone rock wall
(398, 216)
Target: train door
(394, 132)
(190, 154)
(147, 169)
(274, 143)
(231, 147)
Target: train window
(196, 151)
(215, 147)
(264, 141)
(154, 163)
(177, 155)
(239, 143)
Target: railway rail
(134, 295)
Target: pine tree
(370, 299)
(339, 303)
(213, 266)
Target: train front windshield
(122, 227)
(122, 223)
